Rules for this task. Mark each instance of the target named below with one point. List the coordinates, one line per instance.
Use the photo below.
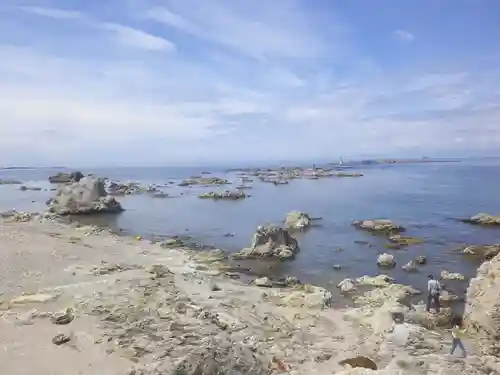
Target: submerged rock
(63, 178)
(421, 259)
(386, 260)
(30, 188)
(229, 195)
(411, 266)
(270, 241)
(87, 196)
(378, 225)
(378, 281)
(483, 219)
(404, 240)
(297, 220)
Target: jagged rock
(17, 216)
(483, 219)
(482, 251)
(297, 220)
(61, 339)
(346, 286)
(229, 195)
(445, 275)
(411, 266)
(378, 225)
(419, 315)
(263, 282)
(87, 196)
(62, 178)
(309, 296)
(386, 260)
(270, 241)
(482, 309)
(61, 318)
(129, 188)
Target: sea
(429, 199)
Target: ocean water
(425, 198)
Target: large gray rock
(63, 178)
(87, 196)
(482, 309)
(270, 241)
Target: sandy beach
(128, 306)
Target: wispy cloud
(404, 35)
(51, 12)
(129, 36)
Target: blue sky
(143, 82)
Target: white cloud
(129, 36)
(277, 30)
(404, 35)
(51, 12)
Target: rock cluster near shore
(483, 219)
(226, 195)
(87, 196)
(64, 178)
(270, 241)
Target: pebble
(60, 339)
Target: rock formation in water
(270, 241)
(482, 251)
(226, 195)
(482, 309)
(483, 219)
(87, 196)
(297, 220)
(63, 178)
(378, 225)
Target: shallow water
(425, 198)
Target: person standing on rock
(457, 333)
(433, 290)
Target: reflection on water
(425, 198)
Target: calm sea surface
(425, 198)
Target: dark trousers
(433, 301)
(457, 342)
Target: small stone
(63, 317)
(337, 267)
(411, 266)
(216, 288)
(61, 339)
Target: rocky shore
(81, 302)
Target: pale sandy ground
(129, 319)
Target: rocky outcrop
(482, 309)
(129, 188)
(270, 241)
(482, 251)
(378, 225)
(203, 181)
(227, 195)
(297, 220)
(9, 182)
(87, 196)
(64, 178)
(483, 219)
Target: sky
(186, 82)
